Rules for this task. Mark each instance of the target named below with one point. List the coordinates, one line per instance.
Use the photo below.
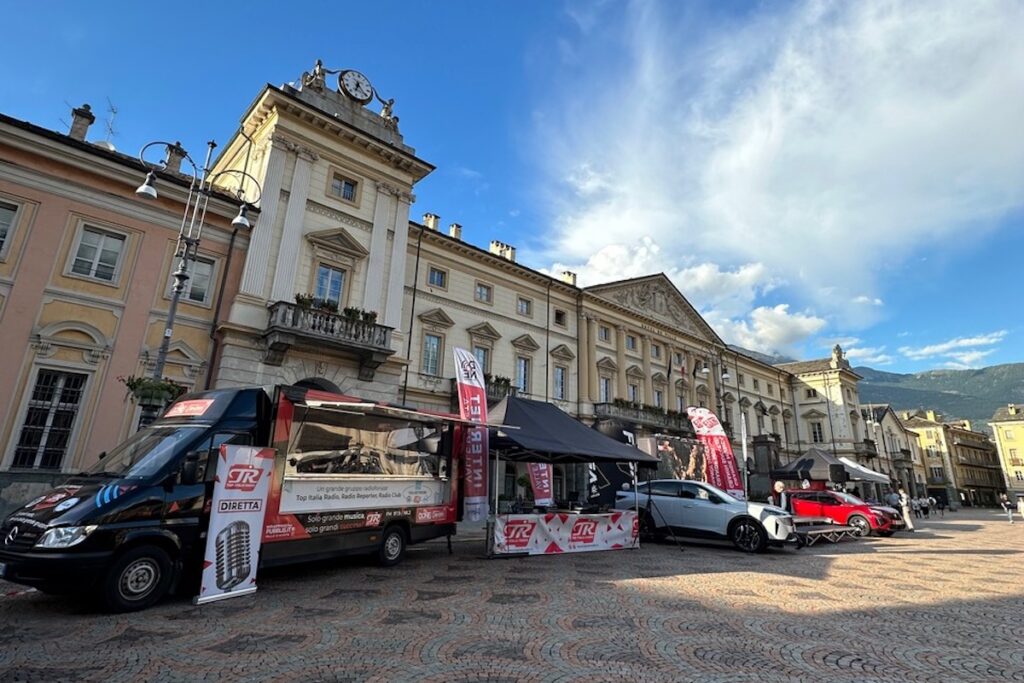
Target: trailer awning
(535, 431)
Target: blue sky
(805, 172)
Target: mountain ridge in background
(957, 394)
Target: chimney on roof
(569, 277)
(930, 414)
(81, 118)
(1011, 408)
(431, 220)
(505, 251)
(455, 230)
(175, 153)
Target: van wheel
(392, 546)
(137, 579)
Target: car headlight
(776, 513)
(64, 536)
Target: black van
(132, 526)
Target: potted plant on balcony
(325, 305)
(149, 391)
(351, 313)
(304, 301)
(368, 316)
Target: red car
(842, 508)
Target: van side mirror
(190, 468)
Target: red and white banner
(540, 482)
(721, 468)
(473, 407)
(236, 522)
(555, 532)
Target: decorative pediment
(73, 334)
(744, 403)
(607, 363)
(525, 342)
(436, 317)
(655, 296)
(658, 378)
(774, 410)
(634, 371)
(760, 407)
(483, 331)
(702, 390)
(727, 397)
(813, 414)
(787, 414)
(338, 241)
(562, 352)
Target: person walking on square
(925, 506)
(1005, 502)
(1020, 505)
(905, 507)
(941, 506)
(915, 505)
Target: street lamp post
(190, 232)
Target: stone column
(257, 257)
(592, 357)
(621, 390)
(396, 273)
(373, 295)
(645, 348)
(291, 236)
(670, 350)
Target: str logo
(13, 534)
(374, 518)
(583, 531)
(518, 532)
(243, 478)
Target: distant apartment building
(1008, 431)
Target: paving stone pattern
(944, 604)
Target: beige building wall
(1008, 431)
(70, 336)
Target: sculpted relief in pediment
(658, 301)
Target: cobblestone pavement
(944, 604)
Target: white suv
(697, 509)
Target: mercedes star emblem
(11, 535)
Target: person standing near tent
(1005, 502)
(905, 506)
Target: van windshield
(146, 452)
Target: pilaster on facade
(290, 248)
(257, 258)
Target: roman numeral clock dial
(355, 85)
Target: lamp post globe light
(201, 187)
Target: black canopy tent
(813, 464)
(544, 433)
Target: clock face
(356, 85)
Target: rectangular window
(1009, 435)
(678, 359)
(757, 385)
(484, 293)
(604, 386)
(1013, 452)
(483, 358)
(937, 472)
(330, 283)
(431, 354)
(740, 379)
(523, 374)
(634, 392)
(560, 382)
(782, 393)
(817, 433)
(437, 277)
(760, 423)
(561, 319)
(7, 212)
(344, 188)
(771, 390)
(631, 342)
(659, 398)
(524, 306)
(98, 254)
(604, 333)
(812, 393)
(197, 288)
(679, 403)
(46, 433)
(655, 351)
(1019, 475)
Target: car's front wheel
(861, 525)
(748, 535)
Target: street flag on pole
(469, 379)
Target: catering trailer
(349, 476)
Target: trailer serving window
(326, 442)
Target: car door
(833, 507)
(806, 504)
(662, 500)
(701, 514)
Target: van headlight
(64, 536)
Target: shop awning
(544, 433)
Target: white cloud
(959, 348)
(810, 151)
(770, 329)
(870, 355)
(968, 359)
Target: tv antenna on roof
(109, 123)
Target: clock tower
(322, 285)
